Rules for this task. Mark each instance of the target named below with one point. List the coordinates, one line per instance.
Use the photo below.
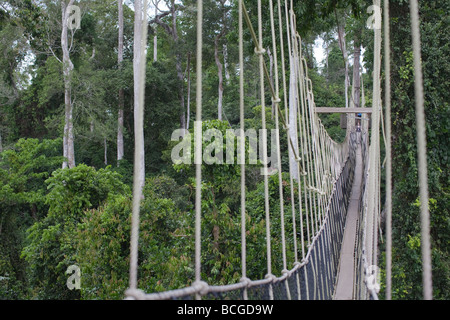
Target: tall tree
(172, 30)
(121, 93)
(68, 140)
(155, 37)
(222, 32)
(356, 94)
(343, 46)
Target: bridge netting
(324, 168)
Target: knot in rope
(286, 272)
(276, 99)
(201, 287)
(271, 276)
(260, 50)
(246, 281)
(134, 294)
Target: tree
(121, 94)
(49, 249)
(218, 37)
(68, 140)
(23, 171)
(155, 37)
(343, 47)
(172, 30)
(406, 260)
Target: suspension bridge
(336, 212)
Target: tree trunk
(343, 47)
(356, 71)
(155, 38)
(181, 92)
(68, 140)
(293, 98)
(220, 75)
(172, 31)
(178, 67)
(105, 144)
(121, 101)
(188, 111)
(225, 63)
(269, 53)
(139, 87)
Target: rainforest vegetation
(67, 142)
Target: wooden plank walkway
(344, 287)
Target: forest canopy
(67, 143)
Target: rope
(198, 146)
(387, 102)
(323, 168)
(242, 146)
(138, 177)
(277, 101)
(259, 51)
(422, 152)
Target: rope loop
(134, 294)
(271, 276)
(276, 100)
(246, 281)
(286, 272)
(201, 287)
(260, 50)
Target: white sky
(319, 54)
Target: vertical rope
(138, 175)
(302, 242)
(260, 51)
(304, 138)
(198, 145)
(422, 151)
(277, 101)
(242, 147)
(291, 181)
(387, 102)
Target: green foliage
(50, 246)
(23, 170)
(407, 283)
(102, 242)
(72, 191)
(82, 216)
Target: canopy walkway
(339, 200)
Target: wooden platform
(344, 287)
(343, 110)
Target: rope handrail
(313, 168)
(204, 288)
(322, 166)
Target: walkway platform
(344, 287)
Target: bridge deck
(344, 287)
